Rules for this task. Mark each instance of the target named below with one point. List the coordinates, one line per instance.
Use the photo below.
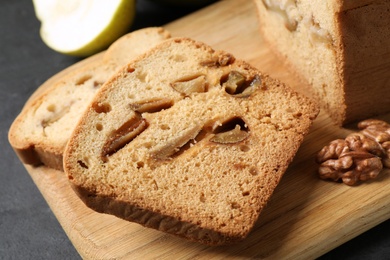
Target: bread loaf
(341, 48)
(187, 140)
(40, 132)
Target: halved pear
(83, 27)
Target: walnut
(379, 131)
(360, 142)
(360, 157)
(351, 167)
(386, 158)
(375, 129)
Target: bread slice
(40, 132)
(340, 47)
(187, 140)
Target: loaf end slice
(187, 140)
(339, 47)
(40, 132)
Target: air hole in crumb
(101, 107)
(51, 108)
(142, 76)
(82, 164)
(253, 171)
(230, 125)
(244, 148)
(130, 70)
(99, 127)
(83, 79)
(164, 127)
(97, 84)
(298, 115)
(245, 193)
(140, 165)
(234, 205)
(148, 145)
(202, 197)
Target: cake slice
(340, 47)
(40, 132)
(187, 140)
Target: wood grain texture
(305, 218)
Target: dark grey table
(28, 228)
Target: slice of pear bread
(40, 132)
(187, 140)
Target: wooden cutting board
(305, 218)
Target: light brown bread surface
(187, 140)
(40, 132)
(340, 47)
